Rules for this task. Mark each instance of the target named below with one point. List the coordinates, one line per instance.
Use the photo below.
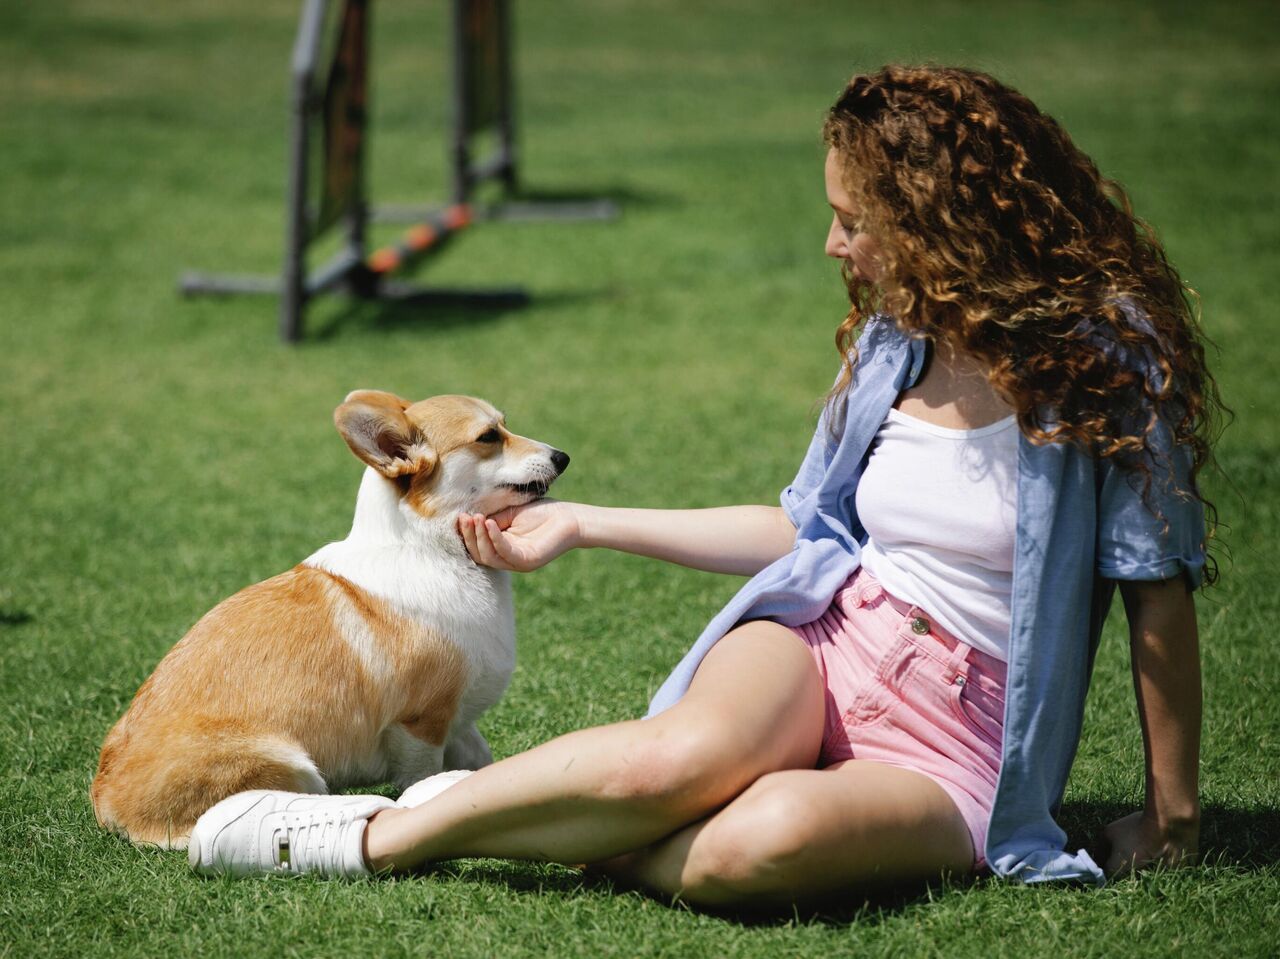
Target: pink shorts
(904, 692)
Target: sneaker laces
(314, 840)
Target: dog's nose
(559, 460)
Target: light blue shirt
(1082, 524)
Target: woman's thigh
(808, 834)
(755, 706)
(756, 703)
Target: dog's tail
(153, 796)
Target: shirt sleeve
(1157, 535)
(797, 498)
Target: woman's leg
(804, 834)
(755, 706)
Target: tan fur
(231, 694)
(448, 422)
(307, 682)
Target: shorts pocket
(978, 711)
(874, 699)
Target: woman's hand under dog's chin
(522, 538)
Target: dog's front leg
(466, 749)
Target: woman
(1018, 428)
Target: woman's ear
(375, 427)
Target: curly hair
(999, 237)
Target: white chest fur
(420, 568)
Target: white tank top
(940, 508)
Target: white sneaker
(267, 831)
(431, 787)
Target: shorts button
(959, 680)
(919, 626)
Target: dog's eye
(491, 436)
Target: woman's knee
(754, 851)
(672, 765)
(783, 840)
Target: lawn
(159, 454)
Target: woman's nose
(837, 244)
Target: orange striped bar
(419, 239)
(457, 216)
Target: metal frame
(352, 269)
(502, 163)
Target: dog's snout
(559, 460)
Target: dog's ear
(375, 427)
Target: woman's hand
(1139, 840)
(521, 538)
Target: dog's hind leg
(155, 800)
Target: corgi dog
(368, 662)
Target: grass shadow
(518, 876)
(355, 316)
(846, 908)
(14, 617)
(622, 197)
(842, 909)
(1248, 838)
(1243, 838)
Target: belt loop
(868, 591)
(957, 661)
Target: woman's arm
(1166, 677)
(740, 540)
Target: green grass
(160, 454)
